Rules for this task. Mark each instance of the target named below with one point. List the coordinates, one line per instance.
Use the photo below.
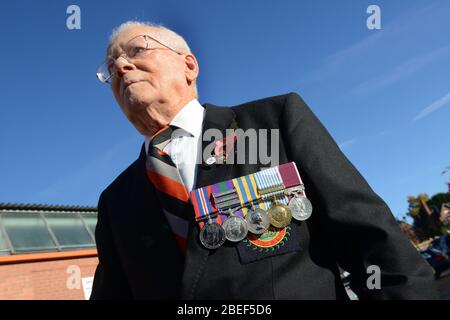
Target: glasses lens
(136, 46)
(104, 72)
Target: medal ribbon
(248, 189)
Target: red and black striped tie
(169, 185)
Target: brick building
(46, 252)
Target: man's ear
(192, 69)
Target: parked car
(438, 245)
(438, 260)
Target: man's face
(142, 85)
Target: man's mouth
(126, 85)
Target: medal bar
(230, 209)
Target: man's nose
(122, 66)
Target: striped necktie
(171, 191)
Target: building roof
(45, 207)
(33, 228)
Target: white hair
(168, 37)
(165, 35)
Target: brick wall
(47, 280)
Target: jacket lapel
(197, 255)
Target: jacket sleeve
(109, 280)
(359, 227)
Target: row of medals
(257, 220)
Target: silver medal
(212, 236)
(301, 207)
(236, 228)
(258, 220)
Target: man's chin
(137, 99)
(134, 102)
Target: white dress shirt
(184, 146)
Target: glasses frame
(108, 79)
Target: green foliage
(427, 225)
(438, 199)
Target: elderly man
(148, 252)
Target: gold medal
(280, 214)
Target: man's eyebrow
(112, 50)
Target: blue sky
(384, 95)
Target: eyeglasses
(135, 48)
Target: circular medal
(258, 220)
(280, 215)
(236, 228)
(212, 236)
(301, 208)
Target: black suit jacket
(351, 227)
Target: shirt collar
(189, 118)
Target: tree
(438, 199)
(426, 214)
(419, 216)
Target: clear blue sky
(384, 95)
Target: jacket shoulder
(274, 102)
(266, 112)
